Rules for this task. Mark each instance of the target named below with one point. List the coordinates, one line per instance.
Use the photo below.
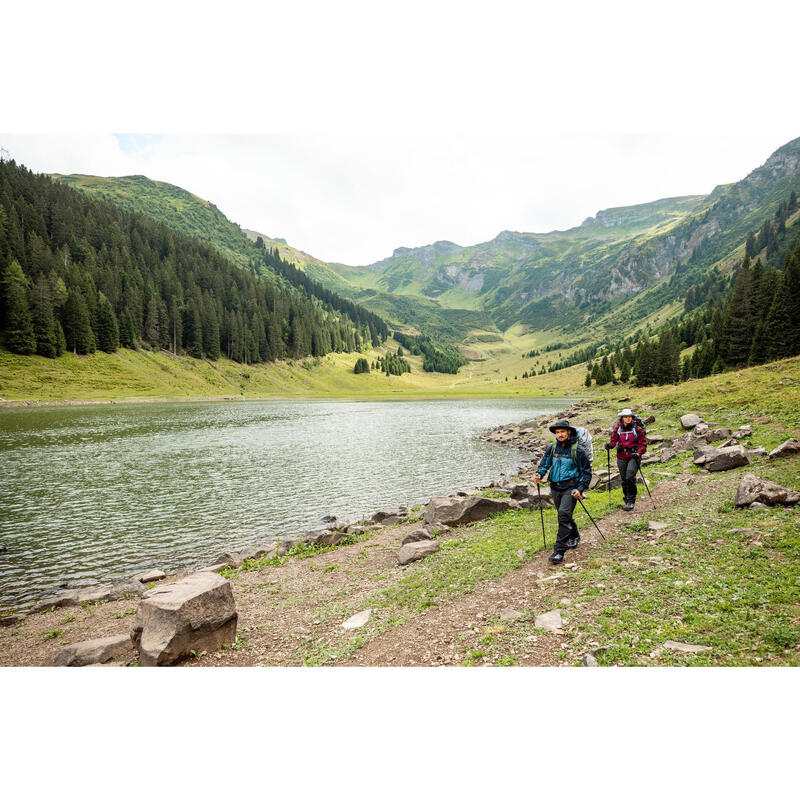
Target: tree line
(80, 274)
(436, 358)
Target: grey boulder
(414, 551)
(196, 613)
(725, 458)
(666, 454)
(420, 535)
(688, 421)
(96, 651)
(753, 489)
(456, 510)
(791, 447)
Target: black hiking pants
(565, 505)
(627, 472)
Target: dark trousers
(565, 505)
(627, 471)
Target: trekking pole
(608, 462)
(541, 513)
(590, 517)
(639, 467)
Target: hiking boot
(556, 558)
(573, 542)
(628, 506)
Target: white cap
(626, 412)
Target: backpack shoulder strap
(573, 451)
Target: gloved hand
(537, 477)
(608, 445)
(576, 494)
(637, 458)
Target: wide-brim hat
(626, 412)
(562, 423)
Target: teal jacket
(564, 472)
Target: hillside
(81, 274)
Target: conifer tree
(18, 331)
(78, 331)
(44, 323)
(737, 329)
(107, 327)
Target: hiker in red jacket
(629, 438)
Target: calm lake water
(94, 493)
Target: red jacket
(628, 440)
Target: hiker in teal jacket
(570, 473)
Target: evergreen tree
(107, 327)
(18, 328)
(77, 326)
(44, 323)
(737, 329)
(625, 371)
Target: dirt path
(441, 635)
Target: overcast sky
(360, 127)
(354, 199)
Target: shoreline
(525, 445)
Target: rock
(589, 660)
(327, 538)
(727, 458)
(92, 594)
(380, 516)
(688, 421)
(229, 559)
(417, 536)
(654, 438)
(701, 429)
(703, 453)
(414, 551)
(213, 568)
(393, 520)
(150, 577)
(594, 480)
(753, 489)
(196, 613)
(650, 459)
(285, 545)
(455, 510)
(757, 452)
(682, 647)
(527, 496)
(510, 614)
(362, 528)
(12, 619)
(791, 447)
(357, 620)
(666, 454)
(743, 432)
(757, 506)
(549, 578)
(96, 651)
(652, 525)
(329, 518)
(129, 588)
(551, 621)
(718, 435)
(650, 420)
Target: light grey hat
(626, 412)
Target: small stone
(357, 620)
(414, 551)
(510, 614)
(417, 536)
(150, 577)
(96, 651)
(213, 568)
(757, 506)
(688, 421)
(652, 525)
(682, 647)
(551, 621)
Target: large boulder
(196, 613)
(727, 458)
(457, 510)
(380, 516)
(96, 651)
(414, 551)
(527, 495)
(791, 447)
(688, 421)
(753, 489)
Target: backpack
(585, 441)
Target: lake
(96, 493)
